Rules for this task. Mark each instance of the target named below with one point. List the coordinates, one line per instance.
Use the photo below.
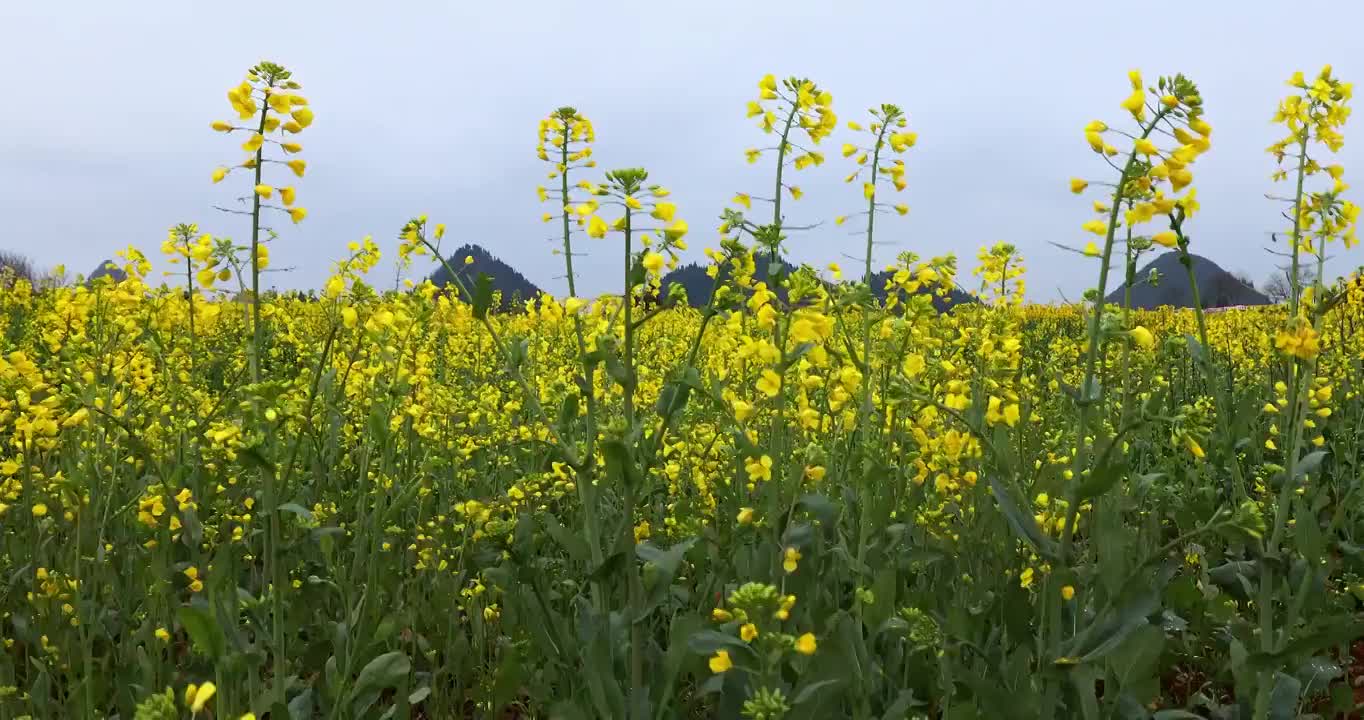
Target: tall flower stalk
(1313, 115)
(269, 96)
(565, 140)
(801, 115)
(1172, 108)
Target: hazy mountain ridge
(514, 286)
(698, 284)
(1216, 286)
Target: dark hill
(1216, 287)
(697, 283)
(109, 269)
(515, 288)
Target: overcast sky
(431, 107)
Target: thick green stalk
(781, 166)
(255, 249)
(866, 272)
(1295, 283)
(270, 491)
(586, 485)
(1086, 402)
(189, 293)
(779, 453)
(1265, 601)
(1130, 275)
(1092, 352)
(636, 590)
(864, 429)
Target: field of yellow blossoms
(816, 495)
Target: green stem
(255, 249)
(636, 589)
(1265, 601)
(189, 294)
(1086, 403)
(781, 166)
(586, 485)
(866, 414)
(1224, 403)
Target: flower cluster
(269, 97)
(1176, 112)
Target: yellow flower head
(197, 696)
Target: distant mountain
(693, 278)
(514, 286)
(109, 269)
(1216, 287)
(698, 284)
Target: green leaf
(301, 707)
(203, 630)
(510, 675)
(707, 642)
(820, 506)
(672, 398)
(1283, 699)
(1342, 698)
(797, 353)
(1195, 348)
(1121, 622)
(1135, 662)
(608, 567)
(1110, 468)
(298, 510)
(621, 467)
(575, 545)
(1003, 447)
(615, 369)
(665, 564)
(683, 626)
(568, 411)
(994, 701)
(482, 295)
(666, 561)
(252, 457)
(1309, 463)
(388, 671)
(809, 692)
(567, 710)
(900, 708)
(1307, 531)
(1316, 673)
(1085, 680)
(1325, 634)
(1023, 524)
